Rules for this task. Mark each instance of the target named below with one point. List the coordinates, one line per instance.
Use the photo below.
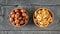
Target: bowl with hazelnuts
(18, 17)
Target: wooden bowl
(43, 17)
(18, 17)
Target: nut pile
(43, 17)
(18, 17)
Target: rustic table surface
(30, 5)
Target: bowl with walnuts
(18, 17)
(43, 17)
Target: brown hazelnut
(13, 23)
(17, 25)
(16, 18)
(11, 19)
(12, 15)
(25, 20)
(16, 15)
(21, 22)
(22, 10)
(16, 10)
(24, 14)
(16, 21)
(26, 17)
(20, 18)
(12, 12)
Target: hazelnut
(25, 20)
(12, 15)
(26, 17)
(20, 18)
(13, 23)
(22, 10)
(12, 12)
(17, 25)
(16, 10)
(16, 18)
(21, 22)
(16, 21)
(16, 15)
(24, 14)
(11, 19)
